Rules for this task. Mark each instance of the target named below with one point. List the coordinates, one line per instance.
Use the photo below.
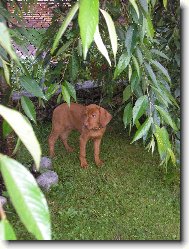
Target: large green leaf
(27, 198)
(162, 69)
(112, 32)
(64, 25)
(5, 41)
(28, 108)
(100, 45)
(122, 64)
(24, 130)
(143, 129)
(88, 21)
(140, 107)
(127, 115)
(6, 230)
(31, 86)
(166, 117)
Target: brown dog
(89, 120)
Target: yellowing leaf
(100, 45)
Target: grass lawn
(129, 198)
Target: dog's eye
(93, 115)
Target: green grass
(128, 198)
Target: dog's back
(65, 117)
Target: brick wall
(40, 14)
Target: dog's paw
(99, 163)
(84, 165)
(70, 149)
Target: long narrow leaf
(151, 73)
(31, 86)
(157, 52)
(100, 45)
(70, 88)
(162, 69)
(6, 71)
(5, 42)
(27, 198)
(143, 129)
(88, 21)
(166, 117)
(24, 130)
(140, 107)
(64, 25)
(112, 32)
(163, 142)
(149, 26)
(136, 65)
(144, 5)
(122, 64)
(127, 115)
(28, 108)
(66, 94)
(135, 6)
(129, 39)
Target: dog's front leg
(97, 142)
(83, 142)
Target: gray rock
(45, 164)
(3, 200)
(47, 179)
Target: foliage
(149, 99)
(146, 45)
(21, 185)
(148, 37)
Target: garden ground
(128, 198)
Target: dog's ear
(105, 117)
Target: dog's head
(96, 117)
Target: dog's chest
(96, 133)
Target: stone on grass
(45, 164)
(3, 200)
(47, 179)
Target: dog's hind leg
(64, 137)
(52, 140)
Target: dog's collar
(98, 128)
(95, 129)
